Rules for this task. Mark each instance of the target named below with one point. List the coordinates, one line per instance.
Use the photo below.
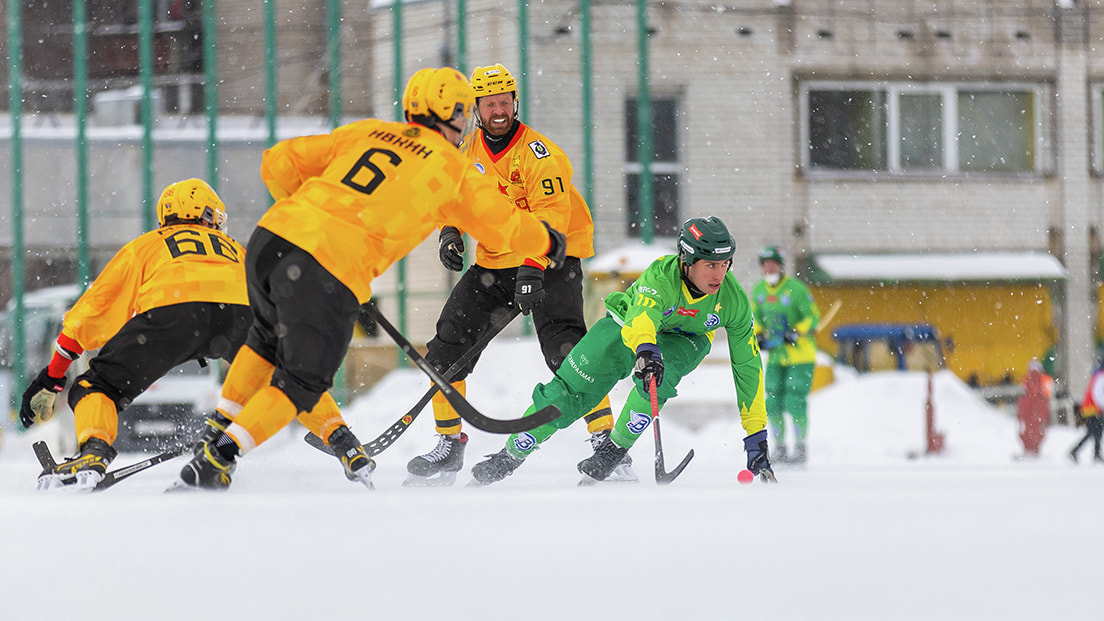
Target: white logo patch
(539, 149)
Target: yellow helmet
(492, 81)
(191, 200)
(438, 94)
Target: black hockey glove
(791, 337)
(757, 461)
(38, 399)
(649, 363)
(557, 246)
(451, 249)
(529, 288)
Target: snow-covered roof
(974, 266)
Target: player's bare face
(707, 276)
(496, 113)
(770, 266)
(450, 134)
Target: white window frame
(948, 91)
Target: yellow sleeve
(285, 165)
(108, 304)
(481, 211)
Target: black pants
(1094, 428)
(303, 317)
(150, 344)
(483, 295)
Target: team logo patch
(638, 422)
(480, 168)
(515, 176)
(525, 442)
(712, 321)
(407, 419)
(539, 149)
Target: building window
(113, 54)
(666, 168)
(908, 128)
(1096, 117)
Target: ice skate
(623, 472)
(81, 473)
(495, 468)
(607, 456)
(208, 470)
(438, 467)
(780, 455)
(358, 466)
(800, 456)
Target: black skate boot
(780, 455)
(212, 427)
(439, 466)
(495, 468)
(208, 469)
(83, 472)
(607, 455)
(623, 472)
(800, 456)
(358, 466)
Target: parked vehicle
(170, 412)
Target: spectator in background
(1092, 413)
(1033, 408)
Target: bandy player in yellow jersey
(169, 296)
(535, 176)
(348, 205)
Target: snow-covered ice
(862, 532)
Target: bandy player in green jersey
(661, 327)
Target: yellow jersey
(534, 175)
(363, 196)
(171, 265)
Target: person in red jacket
(1033, 408)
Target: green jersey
(659, 301)
(779, 309)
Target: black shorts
(482, 296)
(303, 317)
(150, 344)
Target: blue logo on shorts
(638, 422)
(525, 442)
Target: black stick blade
(663, 478)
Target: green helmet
(705, 239)
(771, 253)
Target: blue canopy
(897, 332)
